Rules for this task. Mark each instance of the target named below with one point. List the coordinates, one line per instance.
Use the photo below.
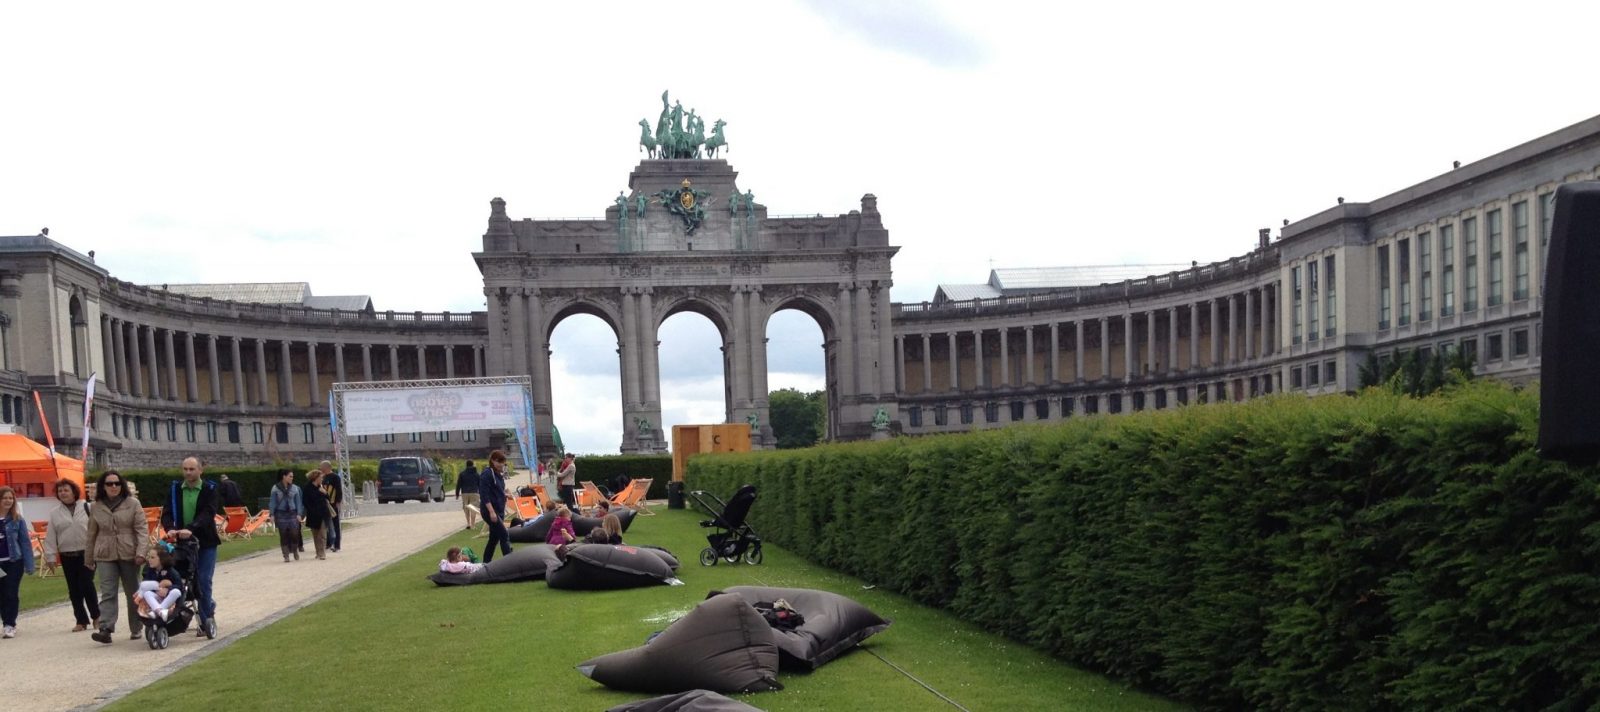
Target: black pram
(185, 559)
(734, 537)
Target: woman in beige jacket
(116, 547)
(64, 542)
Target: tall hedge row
(255, 481)
(1368, 553)
(600, 469)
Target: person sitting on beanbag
(452, 563)
(609, 531)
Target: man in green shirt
(196, 500)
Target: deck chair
(235, 520)
(589, 496)
(261, 521)
(540, 494)
(526, 507)
(641, 490)
(152, 520)
(43, 567)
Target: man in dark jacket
(467, 484)
(191, 511)
(229, 491)
(492, 492)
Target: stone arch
(821, 310)
(712, 309)
(561, 308)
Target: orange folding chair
(234, 521)
(589, 496)
(42, 567)
(526, 507)
(641, 490)
(540, 494)
(152, 519)
(254, 524)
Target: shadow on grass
(394, 640)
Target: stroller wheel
(161, 637)
(150, 637)
(753, 556)
(708, 557)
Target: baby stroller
(734, 536)
(185, 558)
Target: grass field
(40, 592)
(395, 641)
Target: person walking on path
(467, 484)
(16, 560)
(567, 481)
(191, 511)
(64, 541)
(317, 514)
(333, 485)
(228, 490)
(287, 507)
(492, 492)
(118, 540)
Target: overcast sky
(356, 146)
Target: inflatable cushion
(603, 567)
(722, 645)
(528, 562)
(536, 530)
(665, 555)
(832, 625)
(691, 701)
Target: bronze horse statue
(646, 143)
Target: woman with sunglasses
(118, 540)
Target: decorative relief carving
(748, 268)
(632, 271)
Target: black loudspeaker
(1569, 390)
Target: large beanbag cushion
(832, 624)
(537, 529)
(603, 567)
(528, 562)
(722, 645)
(665, 555)
(691, 701)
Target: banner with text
(405, 410)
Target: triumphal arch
(688, 237)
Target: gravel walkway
(49, 668)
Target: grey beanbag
(665, 555)
(603, 567)
(832, 625)
(528, 562)
(722, 645)
(691, 701)
(535, 530)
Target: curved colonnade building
(1454, 262)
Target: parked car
(403, 478)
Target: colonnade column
(117, 363)
(311, 368)
(1249, 325)
(1269, 321)
(869, 379)
(366, 361)
(1150, 341)
(155, 363)
(261, 371)
(1027, 350)
(1129, 341)
(422, 362)
(238, 371)
(900, 363)
(519, 362)
(879, 315)
(927, 362)
(338, 362)
(1172, 340)
(1077, 351)
(113, 379)
(1194, 336)
(738, 360)
(845, 356)
(758, 354)
(285, 375)
(1216, 333)
(1005, 356)
(1055, 352)
(954, 362)
(1105, 349)
(394, 361)
(216, 368)
(188, 362)
(172, 364)
(450, 361)
(650, 364)
(480, 367)
(980, 379)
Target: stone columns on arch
(846, 351)
(650, 366)
(629, 348)
(532, 350)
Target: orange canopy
(26, 467)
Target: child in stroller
(734, 537)
(163, 604)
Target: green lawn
(395, 641)
(40, 592)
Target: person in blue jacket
(287, 505)
(492, 497)
(16, 559)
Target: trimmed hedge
(256, 481)
(599, 469)
(1368, 553)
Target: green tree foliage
(1379, 552)
(601, 469)
(798, 419)
(1409, 373)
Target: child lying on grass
(452, 563)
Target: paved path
(251, 592)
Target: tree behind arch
(798, 419)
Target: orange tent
(26, 467)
